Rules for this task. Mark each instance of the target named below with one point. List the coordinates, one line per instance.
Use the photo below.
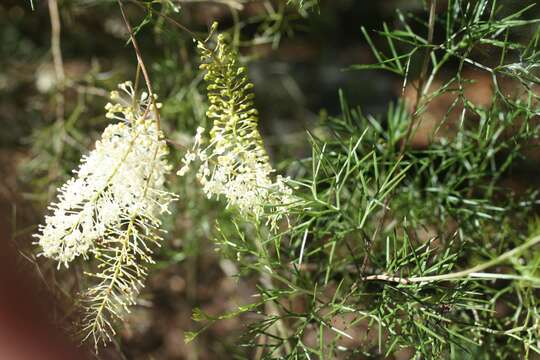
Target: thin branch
(422, 78)
(169, 19)
(235, 4)
(58, 62)
(266, 281)
(272, 309)
(474, 272)
(140, 61)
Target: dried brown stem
(58, 62)
(140, 61)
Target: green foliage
(398, 246)
(380, 214)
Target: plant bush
(395, 232)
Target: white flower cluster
(122, 176)
(240, 172)
(235, 164)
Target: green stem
(459, 274)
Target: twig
(272, 309)
(421, 79)
(57, 58)
(235, 4)
(169, 19)
(474, 272)
(172, 21)
(140, 61)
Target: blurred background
(56, 70)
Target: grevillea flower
(234, 163)
(110, 209)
